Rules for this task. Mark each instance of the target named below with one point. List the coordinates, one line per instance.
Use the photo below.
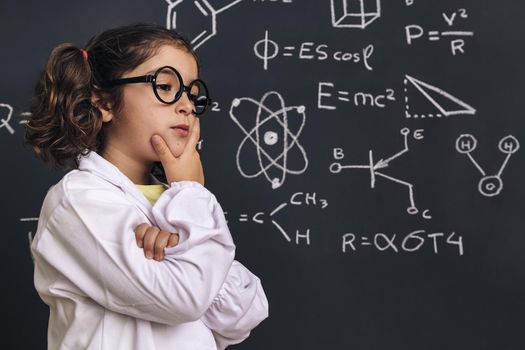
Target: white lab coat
(104, 294)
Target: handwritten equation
(267, 49)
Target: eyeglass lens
(168, 89)
(167, 85)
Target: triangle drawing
(448, 105)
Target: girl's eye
(164, 87)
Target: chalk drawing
(489, 185)
(432, 94)
(6, 112)
(354, 13)
(374, 166)
(200, 19)
(288, 141)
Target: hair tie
(84, 54)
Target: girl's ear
(104, 107)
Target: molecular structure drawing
(373, 168)
(489, 185)
(271, 140)
(259, 219)
(198, 16)
(354, 13)
(298, 199)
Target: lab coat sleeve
(91, 241)
(238, 308)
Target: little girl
(124, 260)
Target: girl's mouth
(181, 129)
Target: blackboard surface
(366, 153)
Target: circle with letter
(466, 143)
(490, 186)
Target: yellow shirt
(152, 192)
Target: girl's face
(143, 115)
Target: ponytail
(64, 123)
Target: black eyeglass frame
(149, 78)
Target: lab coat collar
(98, 165)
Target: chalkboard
(366, 154)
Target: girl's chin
(176, 145)
(176, 151)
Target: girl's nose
(184, 106)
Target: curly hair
(64, 122)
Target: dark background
(373, 297)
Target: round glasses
(168, 87)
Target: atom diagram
(271, 149)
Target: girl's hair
(64, 122)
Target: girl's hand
(153, 240)
(188, 165)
